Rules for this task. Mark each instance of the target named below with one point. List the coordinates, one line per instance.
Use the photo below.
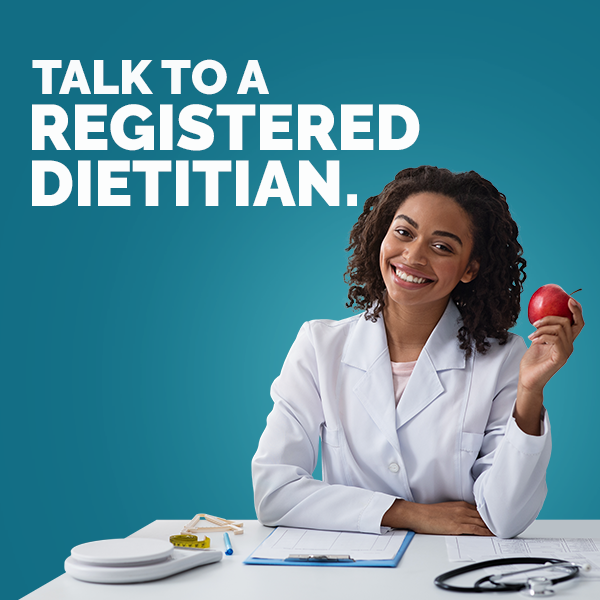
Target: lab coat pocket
(471, 442)
(470, 445)
(331, 452)
(330, 436)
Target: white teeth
(405, 277)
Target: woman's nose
(414, 253)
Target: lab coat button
(394, 467)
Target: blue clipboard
(333, 563)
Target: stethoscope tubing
(440, 581)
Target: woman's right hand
(445, 518)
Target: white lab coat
(452, 436)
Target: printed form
(359, 546)
(578, 550)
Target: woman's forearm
(398, 515)
(528, 410)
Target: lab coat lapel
(367, 350)
(424, 386)
(441, 352)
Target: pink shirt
(401, 372)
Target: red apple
(550, 299)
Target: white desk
(425, 558)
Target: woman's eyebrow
(438, 232)
(408, 220)
(448, 234)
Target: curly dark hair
(490, 303)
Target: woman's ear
(471, 271)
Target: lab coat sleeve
(510, 485)
(285, 493)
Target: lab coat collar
(443, 346)
(367, 350)
(368, 342)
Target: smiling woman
(421, 265)
(429, 412)
(490, 302)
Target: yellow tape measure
(189, 541)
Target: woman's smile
(409, 278)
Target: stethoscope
(532, 586)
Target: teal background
(139, 344)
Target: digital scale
(132, 560)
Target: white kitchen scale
(133, 560)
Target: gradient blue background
(139, 344)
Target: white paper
(473, 548)
(359, 546)
(577, 550)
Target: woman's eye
(442, 247)
(403, 232)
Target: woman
(429, 412)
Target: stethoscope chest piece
(537, 587)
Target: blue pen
(228, 548)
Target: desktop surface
(412, 579)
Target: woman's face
(426, 252)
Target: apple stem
(579, 290)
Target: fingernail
(531, 335)
(537, 323)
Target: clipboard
(329, 560)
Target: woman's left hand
(551, 346)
